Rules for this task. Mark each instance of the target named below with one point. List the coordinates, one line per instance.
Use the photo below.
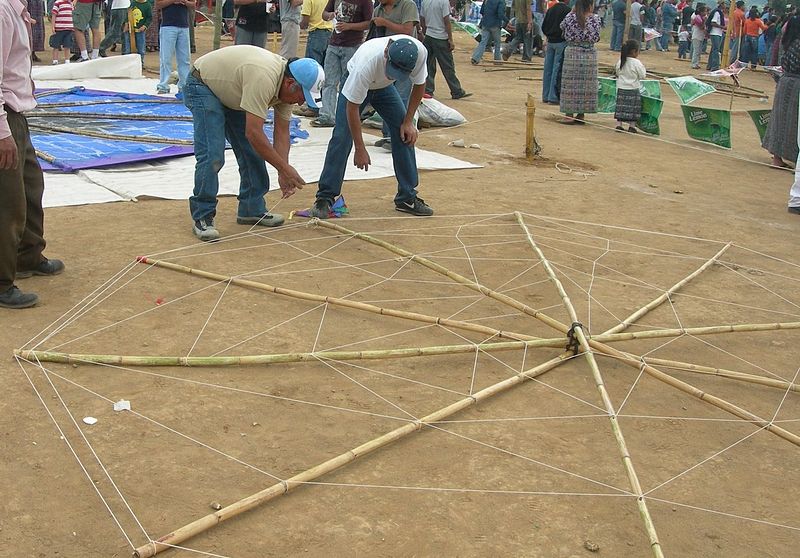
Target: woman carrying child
(630, 71)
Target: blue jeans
(617, 31)
(392, 109)
(254, 38)
(733, 52)
(336, 59)
(521, 35)
(213, 123)
(713, 57)
(683, 49)
(492, 33)
(139, 38)
(750, 50)
(403, 87)
(664, 38)
(173, 41)
(553, 58)
(317, 45)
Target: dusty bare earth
(535, 471)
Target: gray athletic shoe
(321, 209)
(205, 230)
(265, 220)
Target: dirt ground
(535, 471)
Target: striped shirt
(62, 15)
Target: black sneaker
(205, 230)
(321, 209)
(16, 299)
(102, 53)
(386, 143)
(417, 207)
(47, 268)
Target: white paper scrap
(89, 420)
(122, 405)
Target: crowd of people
(359, 55)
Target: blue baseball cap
(403, 54)
(310, 75)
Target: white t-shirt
(716, 30)
(433, 11)
(367, 68)
(683, 36)
(636, 14)
(119, 4)
(630, 74)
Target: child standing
(630, 71)
(140, 15)
(61, 17)
(683, 43)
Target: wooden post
(626, 32)
(532, 148)
(274, 42)
(726, 38)
(217, 23)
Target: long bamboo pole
(723, 373)
(282, 358)
(664, 296)
(594, 344)
(460, 279)
(279, 489)
(627, 462)
(105, 116)
(447, 322)
(103, 135)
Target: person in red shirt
(21, 213)
(735, 28)
(753, 26)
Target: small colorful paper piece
(338, 209)
(650, 34)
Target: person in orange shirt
(551, 3)
(735, 27)
(753, 26)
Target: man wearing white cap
(229, 92)
(371, 73)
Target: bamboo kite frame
(589, 346)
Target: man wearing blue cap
(229, 92)
(371, 73)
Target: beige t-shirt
(245, 77)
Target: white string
(186, 548)
(75, 455)
(529, 459)
(591, 284)
(717, 512)
(210, 315)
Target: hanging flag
(651, 88)
(709, 125)
(689, 88)
(651, 110)
(760, 119)
(607, 95)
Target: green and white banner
(650, 88)
(709, 125)
(651, 110)
(760, 119)
(607, 95)
(689, 89)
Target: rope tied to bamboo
(573, 344)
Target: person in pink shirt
(21, 214)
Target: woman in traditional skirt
(36, 9)
(780, 138)
(630, 73)
(579, 72)
(151, 35)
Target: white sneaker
(205, 230)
